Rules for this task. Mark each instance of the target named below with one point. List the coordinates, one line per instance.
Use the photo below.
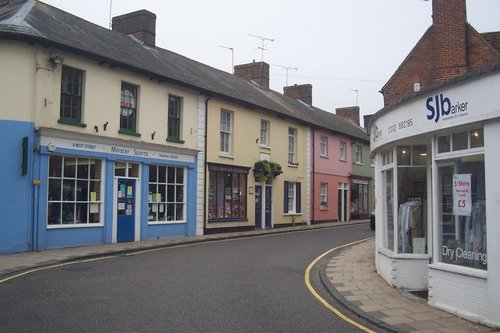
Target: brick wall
(450, 48)
(141, 24)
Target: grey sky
(337, 46)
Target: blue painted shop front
(77, 191)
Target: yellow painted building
(237, 138)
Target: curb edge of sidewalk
(172, 242)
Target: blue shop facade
(66, 189)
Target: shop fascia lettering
(459, 253)
(441, 107)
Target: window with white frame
(292, 146)
(359, 154)
(342, 150)
(323, 195)
(323, 146)
(292, 198)
(74, 191)
(166, 198)
(225, 131)
(264, 132)
(462, 199)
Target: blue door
(125, 210)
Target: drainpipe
(313, 177)
(205, 167)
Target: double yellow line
(337, 312)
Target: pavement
(349, 274)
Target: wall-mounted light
(96, 128)
(153, 135)
(105, 125)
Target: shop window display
(462, 197)
(74, 194)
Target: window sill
(127, 132)
(215, 220)
(410, 256)
(175, 140)
(152, 223)
(230, 157)
(71, 122)
(324, 156)
(76, 225)
(292, 214)
(265, 147)
(357, 163)
(341, 160)
(293, 165)
(324, 208)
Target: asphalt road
(244, 285)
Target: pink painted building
(332, 166)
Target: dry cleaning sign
(462, 202)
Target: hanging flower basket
(264, 170)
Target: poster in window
(462, 202)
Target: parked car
(372, 220)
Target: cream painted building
(238, 138)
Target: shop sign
(462, 202)
(55, 143)
(440, 107)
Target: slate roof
(34, 21)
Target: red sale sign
(462, 202)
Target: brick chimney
(450, 37)
(140, 24)
(257, 72)
(302, 92)
(351, 113)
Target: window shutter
(285, 199)
(298, 196)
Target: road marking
(15, 276)
(321, 299)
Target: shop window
(166, 197)
(359, 198)
(292, 198)
(174, 118)
(227, 197)
(387, 157)
(389, 208)
(128, 109)
(71, 96)
(460, 141)
(74, 191)
(462, 211)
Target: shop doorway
(263, 206)
(342, 201)
(125, 210)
